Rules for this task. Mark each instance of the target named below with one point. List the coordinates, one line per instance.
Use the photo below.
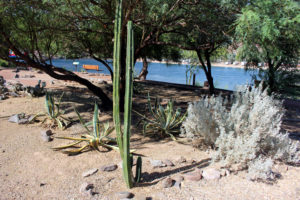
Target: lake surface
(224, 77)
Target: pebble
(14, 119)
(193, 176)
(46, 135)
(181, 160)
(178, 181)
(90, 172)
(157, 163)
(87, 188)
(225, 172)
(124, 195)
(211, 174)
(109, 168)
(13, 94)
(168, 163)
(168, 182)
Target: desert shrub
(249, 133)
(164, 120)
(202, 119)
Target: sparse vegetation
(54, 115)
(99, 136)
(164, 121)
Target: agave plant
(166, 120)
(99, 136)
(53, 113)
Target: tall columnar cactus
(124, 139)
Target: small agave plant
(166, 121)
(99, 136)
(53, 113)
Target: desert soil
(30, 169)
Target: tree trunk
(144, 71)
(106, 65)
(207, 69)
(271, 72)
(66, 75)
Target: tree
(30, 29)
(79, 28)
(269, 33)
(207, 26)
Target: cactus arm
(138, 172)
(116, 79)
(128, 107)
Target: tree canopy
(268, 32)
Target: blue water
(224, 77)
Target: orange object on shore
(91, 67)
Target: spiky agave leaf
(96, 128)
(66, 146)
(85, 125)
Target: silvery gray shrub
(249, 133)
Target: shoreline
(214, 64)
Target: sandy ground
(29, 169)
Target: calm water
(224, 77)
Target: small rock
(168, 162)
(14, 119)
(46, 135)
(90, 172)
(181, 160)
(157, 163)
(236, 167)
(2, 97)
(109, 168)
(47, 132)
(85, 187)
(178, 181)
(2, 80)
(42, 184)
(124, 195)
(193, 176)
(142, 197)
(23, 121)
(211, 174)
(13, 94)
(101, 81)
(225, 172)
(30, 118)
(193, 161)
(168, 182)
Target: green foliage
(99, 136)
(165, 121)
(53, 113)
(3, 63)
(269, 33)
